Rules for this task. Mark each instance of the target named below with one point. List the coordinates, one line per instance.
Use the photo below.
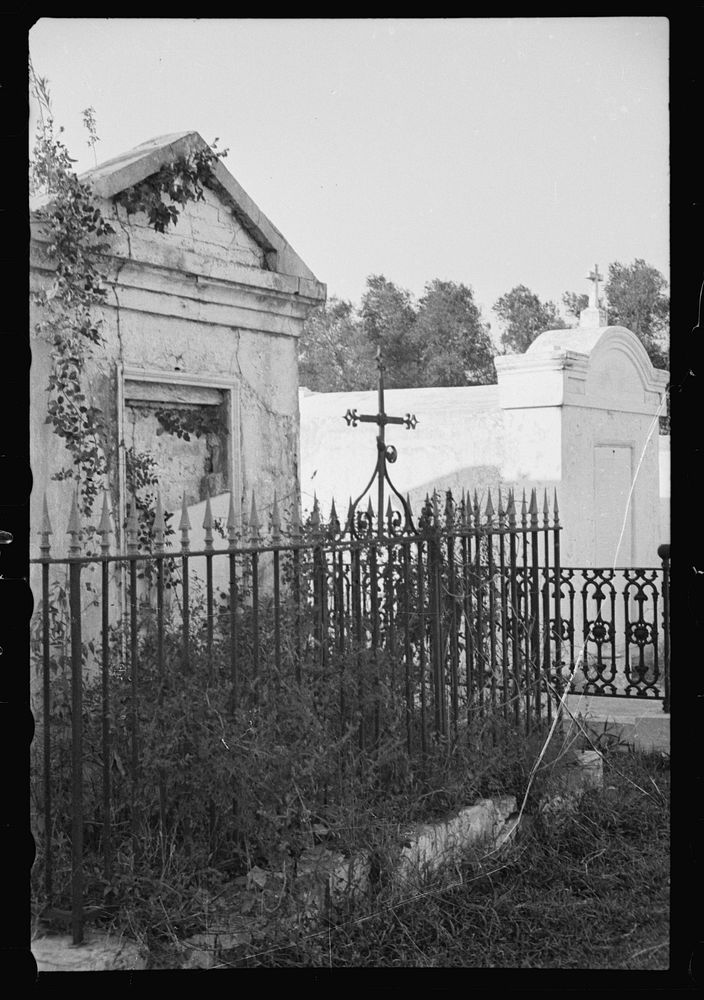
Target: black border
(687, 275)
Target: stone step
(638, 722)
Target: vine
(143, 484)
(197, 420)
(181, 182)
(77, 233)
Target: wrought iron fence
(414, 627)
(615, 631)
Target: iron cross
(384, 453)
(596, 278)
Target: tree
(333, 353)
(574, 303)
(636, 300)
(524, 317)
(442, 340)
(451, 339)
(388, 317)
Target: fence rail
(412, 629)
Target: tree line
(442, 339)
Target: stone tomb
(200, 326)
(575, 413)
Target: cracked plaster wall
(197, 300)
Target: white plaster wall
(664, 461)
(457, 443)
(583, 428)
(206, 226)
(532, 445)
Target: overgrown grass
(202, 791)
(213, 824)
(585, 887)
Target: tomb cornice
(247, 298)
(547, 379)
(581, 367)
(191, 264)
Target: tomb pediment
(231, 217)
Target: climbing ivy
(181, 181)
(77, 233)
(143, 485)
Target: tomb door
(613, 473)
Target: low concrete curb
(433, 844)
(331, 880)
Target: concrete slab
(99, 952)
(614, 709)
(639, 722)
(653, 734)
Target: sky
(488, 151)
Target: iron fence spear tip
(334, 519)
(295, 519)
(253, 517)
(489, 510)
(74, 520)
(46, 528)
(231, 519)
(132, 519)
(208, 516)
(436, 513)
(159, 511)
(275, 517)
(185, 522)
(104, 525)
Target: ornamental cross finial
(385, 453)
(595, 278)
(381, 418)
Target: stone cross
(595, 277)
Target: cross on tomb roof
(595, 315)
(595, 278)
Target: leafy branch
(181, 182)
